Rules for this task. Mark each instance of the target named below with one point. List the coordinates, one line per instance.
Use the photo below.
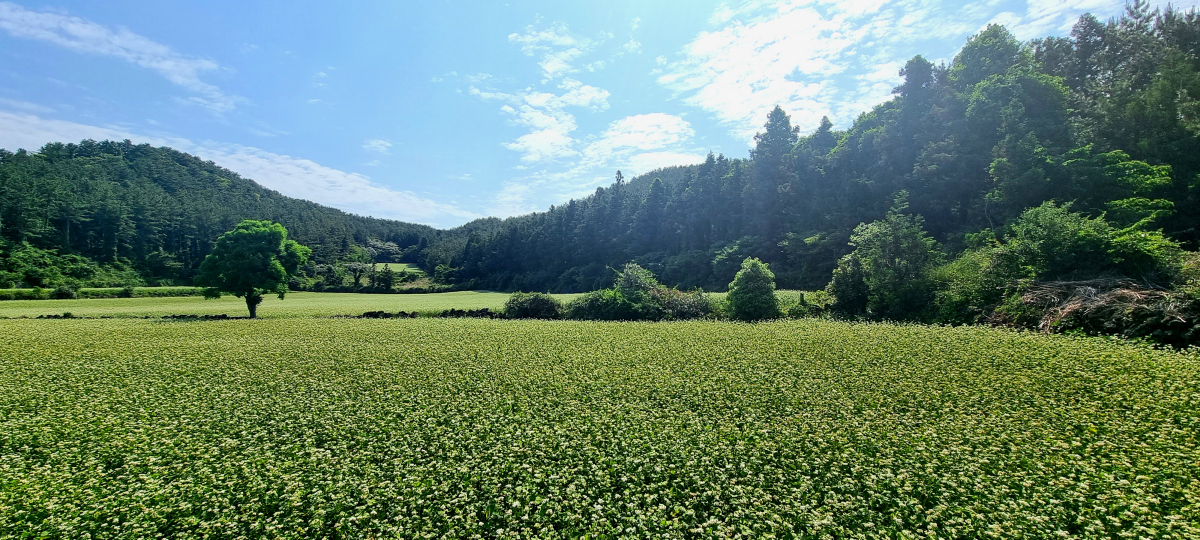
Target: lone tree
(253, 259)
(752, 292)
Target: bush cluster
(533, 305)
(1045, 267)
(636, 295)
(26, 266)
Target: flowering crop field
(469, 428)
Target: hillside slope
(158, 210)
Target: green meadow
(296, 304)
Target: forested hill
(1107, 120)
(138, 210)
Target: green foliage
(357, 263)
(971, 286)
(638, 296)
(636, 283)
(1049, 243)
(63, 292)
(892, 257)
(25, 265)
(849, 288)
(810, 304)
(990, 52)
(1053, 243)
(602, 305)
(464, 428)
(253, 259)
(682, 305)
(383, 279)
(444, 274)
(533, 305)
(752, 292)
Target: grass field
(406, 267)
(296, 304)
(464, 428)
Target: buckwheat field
(462, 428)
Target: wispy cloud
(25, 106)
(740, 72)
(637, 134)
(546, 117)
(88, 37)
(291, 176)
(634, 144)
(377, 145)
(556, 46)
(633, 45)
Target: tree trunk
(252, 302)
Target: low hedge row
(109, 292)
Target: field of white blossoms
(468, 428)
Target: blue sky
(439, 112)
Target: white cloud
(85, 36)
(544, 114)
(556, 46)
(555, 164)
(634, 144)
(291, 176)
(639, 133)
(552, 142)
(740, 72)
(377, 145)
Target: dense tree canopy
(253, 259)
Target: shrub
(682, 305)
(896, 256)
(602, 305)
(636, 283)
(849, 288)
(1057, 244)
(968, 287)
(811, 304)
(637, 296)
(532, 306)
(1048, 248)
(126, 292)
(752, 292)
(63, 292)
(1189, 276)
